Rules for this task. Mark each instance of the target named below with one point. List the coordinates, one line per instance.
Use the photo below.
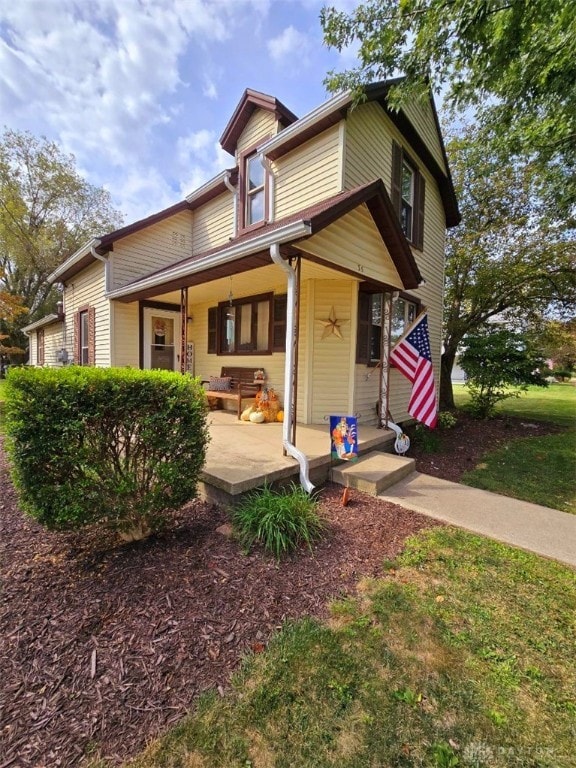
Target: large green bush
(121, 447)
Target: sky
(140, 91)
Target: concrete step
(374, 472)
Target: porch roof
(251, 249)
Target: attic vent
(178, 240)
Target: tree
(10, 308)
(499, 364)
(47, 211)
(508, 260)
(512, 61)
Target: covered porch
(242, 456)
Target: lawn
(429, 666)
(537, 469)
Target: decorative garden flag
(344, 437)
(413, 358)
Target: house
(306, 258)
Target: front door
(161, 339)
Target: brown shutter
(212, 330)
(279, 323)
(419, 190)
(364, 328)
(91, 336)
(40, 347)
(77, 354)
(396, 183)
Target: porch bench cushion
(241, 385)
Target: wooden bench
(242, 386)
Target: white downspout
(289, 394)
(105, 261)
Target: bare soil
(104, 646)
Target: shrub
(278, 520)
(446, 420)
(428, 439)
(120, 447)
(499, 364)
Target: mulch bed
(105, 646)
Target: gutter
(208, 186)
(287, 233)
(76, 256)
(304, 123)
(287, 424)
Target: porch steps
(374, 472)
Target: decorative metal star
(332, 325)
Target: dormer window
(255, 176)
(253, 190)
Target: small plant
(279, 521)
(428, 439)
(446, 420)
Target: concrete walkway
(547, 532)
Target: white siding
(152, 248)
(87, 289)
(260, 126)
(353, 242)
(308, 174)
(53, 341)
(213, 223)
(125, 346)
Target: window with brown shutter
(407, 191)
(369, 333)
(250, 325)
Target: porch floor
(242, 456)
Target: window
(371, 321)
(85, 336)
(40, 346)
(84, 344)
(252, 325)
(408, 195)
(404, 313)
(253, 191)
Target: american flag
(413, 358)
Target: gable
(248, 104)
(354, 243)
(260, 126)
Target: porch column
(183, 328)
(385, 378)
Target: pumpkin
(246, 413)
(257, 417)
(280, 416)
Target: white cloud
(290, 45)
(201, 158)
(209, 90)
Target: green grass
(556, 404)
(2, 390)
(537, 469)
(430, 666)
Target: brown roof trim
(318, 216)
(379, 92)
(250, 101)
(376, 198)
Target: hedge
(119, 447)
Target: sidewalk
(547, 532)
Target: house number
(360, 268)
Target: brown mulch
(463, 446)
(104, 646)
